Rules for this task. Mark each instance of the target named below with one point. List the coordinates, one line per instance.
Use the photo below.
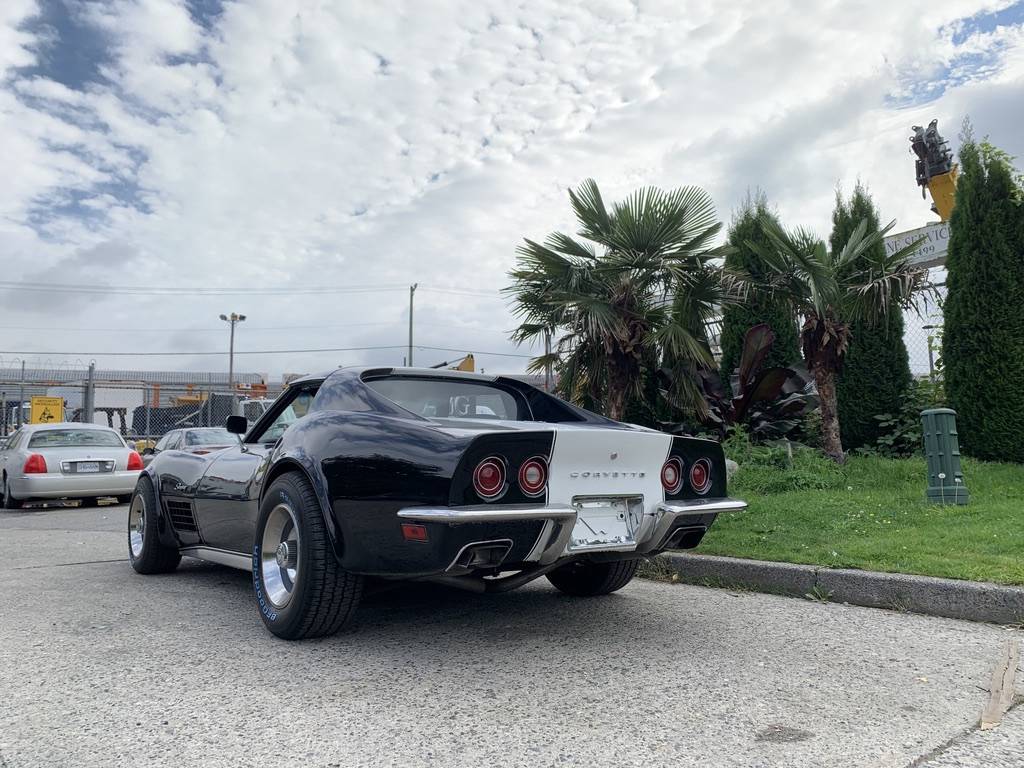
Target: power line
(122, 290)
(248, 329)
(259, 352)
(148, 290)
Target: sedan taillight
(35, 465)
(489, 478)
(134, 461)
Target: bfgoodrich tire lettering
(146, 552)
(300, 589)
(587, 579)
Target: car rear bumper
(675, 524)
(55, 485)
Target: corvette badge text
(585, 475)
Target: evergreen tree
(875, 375)
(983, 339)
(747, 228)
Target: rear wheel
(9, 501)
(146, 552)
(301, 590)
(583, 578)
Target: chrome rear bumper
(653, 532)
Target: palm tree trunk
(618, 386)
(831, 442)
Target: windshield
(74, 438)
(212, 436)
(448, 398)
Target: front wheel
(146, 552)
(301, 590)
(583, 578)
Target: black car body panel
(374, 463)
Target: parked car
(66, 460)
(197, 440)
(484, 483)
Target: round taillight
(672, 475)
(700, 476)
(533, 476)
(489, 478)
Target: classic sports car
(479, 482)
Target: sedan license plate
(606, 523)
(87, 466)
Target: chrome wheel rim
(136, 524)
(279, 555)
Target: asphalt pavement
(102, 667)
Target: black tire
(9, 501)
(583, 578)
(147, 553)
(319, 597)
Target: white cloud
(315, 144)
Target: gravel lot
(100, 666)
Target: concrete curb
(950, 598)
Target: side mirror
(237, 425)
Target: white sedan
(66, 460)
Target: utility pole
(234, 319)
(412, 290)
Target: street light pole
(412, 290)
(234, 319)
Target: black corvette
(479, 482)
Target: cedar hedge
(983, 339)
(875, 376)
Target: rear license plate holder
(87, 467)
(607, 523)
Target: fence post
(89, 404)
(21, 396)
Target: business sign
(931, 252)
(46, 409)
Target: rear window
(75, 438)
(209, 437)
(447, 399)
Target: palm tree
(860, 282)
(632, 294)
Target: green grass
(871, 514)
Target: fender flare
(163, 528)
(304, 465)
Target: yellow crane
(936, 170)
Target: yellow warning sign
(46, 409)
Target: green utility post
(941, 448)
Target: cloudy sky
(295, 147)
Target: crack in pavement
(62, 565)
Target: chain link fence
(922, 336)
(141, 406)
